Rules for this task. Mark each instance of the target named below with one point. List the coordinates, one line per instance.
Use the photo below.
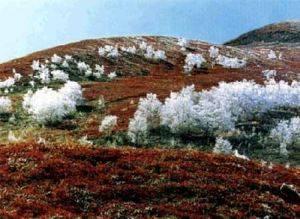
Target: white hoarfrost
(286, 133)
(221, 108)
(5, 105)
(82, 66)
(182, 42)
(108, 51)
(108, 124)
(7, 83)
(56, 59)
(49, 106)
(150, 53)
(146, 117)
(228, 62)
(236, 154)
(59, 75)
(112, 75)
(269, 74)
(131, 49)
(213, 52)
(99, 71)
(178, 111)
(155, 54)
(222, 146)
(193, 60)
(272, 55)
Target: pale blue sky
(30, 25)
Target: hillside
(43, 181)
(69, 168)
(284, 32)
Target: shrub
(193, 60)
(49, 106)
(101, 102)
(221, 108)
(99, 71)
(286, 133)
(56, 59)
(268, 74)
(7, 83)
(59, 75)
(146, 117)
(43, 73)
(108, 124)
(272, 55)
(222, 146)
(108, 51)
(154, 54)
(213, 52)
(228, 62)
(178, 111)
(131, 50)
(5, 105)
(112, 75)
(182, 42)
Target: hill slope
(41, 181)
(60, 176)
(284, 32)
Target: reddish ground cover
(41, 181)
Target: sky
(31, 25)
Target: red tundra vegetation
(42, 181)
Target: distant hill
(284, 32)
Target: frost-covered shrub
(99, 71)
(5, 105)
(108, 51)
(12, 138)
(272, 55)
(7, 83)
(286, 133)
(236, 154)
(108, 124)
(82, 66)
(143, 45)
(101, 102)
(213, 52)
(228, 62)
(221, 108)
(131, 50)
(35, 65)
(150, 53)
(56, 59)
(178, 111)
(11, 81)
(59, 68)
(193, 60)
(146, 117)
(17, 76)
(182, 42)
(42, 72)
(72, 90)
(68, 58)
(268, 74)
(222, 146)
(154, 54)
(50, 106)
(112, 75)
(59, 75)
(159, 55)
